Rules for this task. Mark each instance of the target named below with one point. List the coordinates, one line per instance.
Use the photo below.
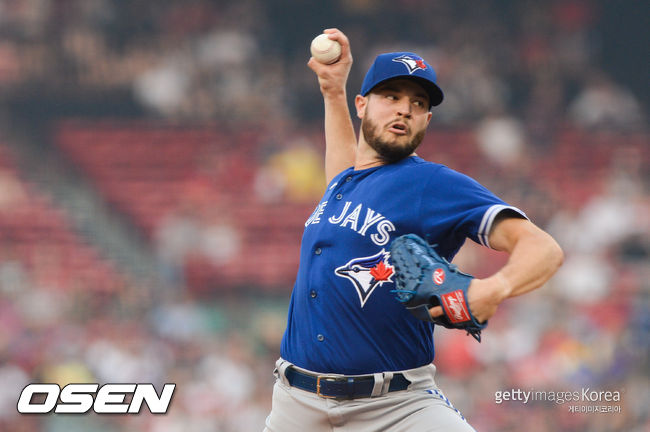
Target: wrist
(502, 286)
(334, 94)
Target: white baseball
(325, 50)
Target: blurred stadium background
(158, 160)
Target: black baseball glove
(424, 279)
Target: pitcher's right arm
(340, 138)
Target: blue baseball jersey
(342, 316)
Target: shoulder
(437, 173)
(415, 164)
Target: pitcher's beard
(389, 152)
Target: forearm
(534, 258)
(340, 138)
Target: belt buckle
(326, 378)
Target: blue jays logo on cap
(367, 273)
(403, 65)
(411, 62)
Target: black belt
(333, 386)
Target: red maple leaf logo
(421, 64)
(381, 272)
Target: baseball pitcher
(375, 276)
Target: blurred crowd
(245, 60)
(547, 126)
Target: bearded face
(389, 147)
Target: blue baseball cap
(403, 65)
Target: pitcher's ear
(361, 102)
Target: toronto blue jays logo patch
(411, 62)
(367, 273)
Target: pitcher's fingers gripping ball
(325, 50)
(424, 279)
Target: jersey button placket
(318, 251)
(339, 196)
(313, 293)
(320, 337)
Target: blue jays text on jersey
(342, 317)
(383, 226)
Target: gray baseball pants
(420, 408)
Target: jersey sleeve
(458, 207)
